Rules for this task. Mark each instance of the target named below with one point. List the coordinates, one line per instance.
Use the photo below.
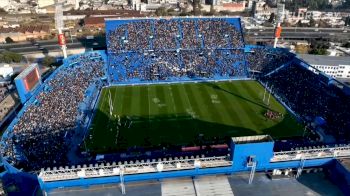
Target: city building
(232, 7)
(5, 71)
(44, 3)
(334, 66)
(4, 3)
(24, 33)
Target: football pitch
(161, 115)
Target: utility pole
(280, 16)
(60, 25)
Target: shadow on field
(160, 136)
(216, 87)
(168, 134)
(288, 125)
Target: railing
(317, 153)
(114, 169)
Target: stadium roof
(325, 60)
(252, 139)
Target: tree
(319, 47)
(212, 10)
(10, 57)
(196, 7)
(318, 51)
(161, 11)
(183, 13)
(48, 61)
(272, 18)
(312, 22)
(346, 45)
(9, 40)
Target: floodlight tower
(60, 25)
(280, 16)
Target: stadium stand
(151, 50)
(39, 136)
(311, 95)
(263, 60)
(175, 49)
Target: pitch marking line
(190, 109)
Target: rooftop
(325, 60)
(95, 20)
(252, 139)
(116, 13)
(24, 29)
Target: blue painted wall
(263, 152)
(23, 95)
(175, 174)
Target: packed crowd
(189, 35)
(264, 59)
(41, 133)
(163, 49)
(218, 34)
(311, 96)
(164, 65)
(165, 34)
(174, 34)
(272, 115)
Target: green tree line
(10, 57)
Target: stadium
(175, 97)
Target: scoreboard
(27, 82)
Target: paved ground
(144, 189)
(312, 184)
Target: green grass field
(177, 114)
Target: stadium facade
(173, 50)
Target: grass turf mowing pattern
(176, 114)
